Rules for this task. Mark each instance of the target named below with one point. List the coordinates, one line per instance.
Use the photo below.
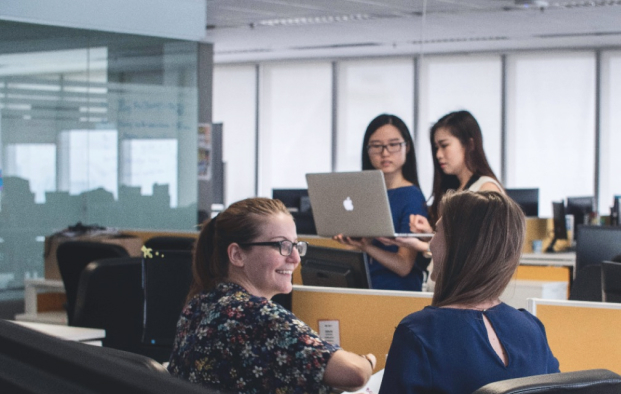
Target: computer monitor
(298, 203)
(580, 208)
(294, 199)
(331, 267)
(560, 226)
(595, 244)
(527, 199)
(615, 214)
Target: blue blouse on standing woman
(404, 201)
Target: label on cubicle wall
(329, 331)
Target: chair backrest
(587, 286)
(170, 243)
(132, 358)
(167, 277)
(110, 297)
(600, 381)
(33, 362)
(73, 257)
(595, 244)
(611, 281)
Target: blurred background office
(102, 106)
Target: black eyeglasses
(393, 147)
(285, 247)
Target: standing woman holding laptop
(388, 146)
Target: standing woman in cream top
(459, 163)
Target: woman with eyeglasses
(230, 335)
(468, 338)
(388, 146)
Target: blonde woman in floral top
(231, 336)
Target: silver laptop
(354, 204)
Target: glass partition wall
(93, 126)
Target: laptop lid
(354, 204)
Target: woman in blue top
(388, 147)
(468, 337)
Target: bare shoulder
(490, 186)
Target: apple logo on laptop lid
(348, 204)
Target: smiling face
(266, 272)
(389, 163)
(450, 152)
(437, 246)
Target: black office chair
(166, 281)
(588, 284)
(110, 297)
(611, 281)
(170, 243)
(73, 257)
(593, 381)
(33, 363)
(138, 360)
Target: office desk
(550, 259)
(519, 291)
(556, 261)
(32, 287)
(92, 336)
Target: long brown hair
(463, 126)
(409, 170)
(484, 234)
(239, 223)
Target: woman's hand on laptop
(420, 224)
(414, 244)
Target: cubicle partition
(582, 335)
(361, 321)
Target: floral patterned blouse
(232, 340)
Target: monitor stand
(550, 248)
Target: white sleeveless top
(476, 186)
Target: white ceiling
(251, 30)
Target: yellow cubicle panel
(536, 228)
(545, 273)
(367, 318)
(582, 335)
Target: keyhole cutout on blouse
(495, 342)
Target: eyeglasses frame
(279, 244)
(370, 146)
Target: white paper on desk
(373, 385)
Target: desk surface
(553, 259)
(79, 334)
